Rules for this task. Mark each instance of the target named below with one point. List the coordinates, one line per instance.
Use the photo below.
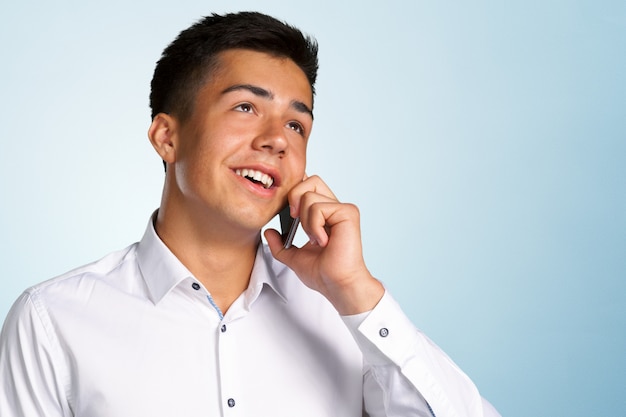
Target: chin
(253, 220)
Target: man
(200, 318)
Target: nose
(272, 138)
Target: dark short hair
(187, 62)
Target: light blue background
(483, 141)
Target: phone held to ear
(288, 227)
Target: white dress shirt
(135, 334)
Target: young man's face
(244, 147)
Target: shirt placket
(233, 404)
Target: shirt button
(231, 402)
(223, 328)
(384, 332)
(195, 286)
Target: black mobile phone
(288, 226)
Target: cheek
(189, 175)
(193, 169)
(302, 156)
(298, 164)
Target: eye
(245, 108)
(297, 127)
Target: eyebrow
(263, 93)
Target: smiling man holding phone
(200, 318)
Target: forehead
(278, 74)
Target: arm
(405, 372)
(31, 385)
(407, 369)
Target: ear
(162, 135)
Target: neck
(221, 259)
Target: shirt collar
(160, 268)
(266, 271)
(162, 271)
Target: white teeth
(264, 179)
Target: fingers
(313, 184)
(318, 218)
(319, 210)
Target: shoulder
(75, 286)
(105, 267)
(61, 298)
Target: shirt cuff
(383, 334)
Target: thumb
(275, 242)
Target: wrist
(361, 295)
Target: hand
(332, 261)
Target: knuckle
(354, 208)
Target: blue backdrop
(483, 141)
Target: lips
(256, 176)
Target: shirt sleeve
(406, 374)
(31, 384)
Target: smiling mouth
(256, 176)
